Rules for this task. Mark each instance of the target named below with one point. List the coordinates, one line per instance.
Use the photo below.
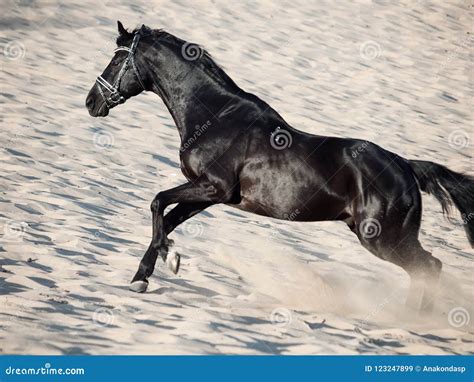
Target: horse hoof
(139, 286)
(174, 259)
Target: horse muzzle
(97, 107)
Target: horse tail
(448, 187)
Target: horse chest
(194, 163)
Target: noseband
(115, 97)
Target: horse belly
(288, 198)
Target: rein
(115, 97)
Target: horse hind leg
(394, 238)
(424, 271)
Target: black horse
(237, 150)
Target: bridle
(115, 97)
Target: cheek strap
(115, 97)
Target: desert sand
(76, 191)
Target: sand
(75, 191)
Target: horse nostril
(90, 102)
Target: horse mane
(207, 62)
(214, 69)
(123, 39)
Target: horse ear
(122, 31)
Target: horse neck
(193, 97)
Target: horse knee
(157, 203)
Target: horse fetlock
(163, 253)
(168, 242)
(163, 247)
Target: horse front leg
(178, 215)
(192, 199)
